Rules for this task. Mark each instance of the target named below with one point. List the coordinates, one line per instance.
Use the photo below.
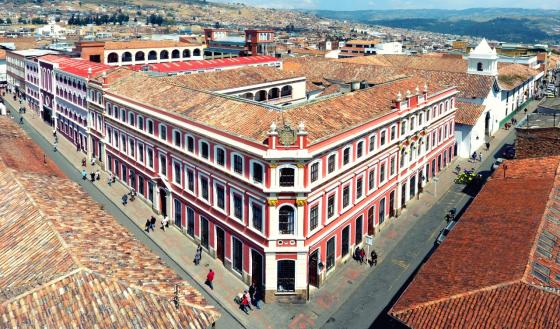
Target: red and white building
(56, 88)
(281, 195)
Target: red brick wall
(536, 143)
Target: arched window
(126, 57)
(261, 96)
(286, 91)
(286, 220)
(286, 274)
(287, 177)
(164, 54)
(186, 53)
(175, 54)
(139, 56)
(273, 93)
(196, 52)
(152, 55)
(248, 95)
(479, 67)
(113, 58)
(403, 157)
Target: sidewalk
(336, 291)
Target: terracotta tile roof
(67, 263)
(234, 78)
(419, 62)
(362, 42)
(469, 85)
(492, 271)
(513, 75)
(468, 113)
(139, 44)
(322, 117)
(207, 64)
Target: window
(238, 164)
(258, 172)
(383, 137)
(190, 143)
(131, 119)
(150, 157)
(358, 235)
(382, 173)
(237, 255)
(371, 180)
(237, 206)
(287, 177)
(393, 133)
(314, 217)
(372, 142)
(479, 67)
(359, 149)
(331, 163)
(131, 147)
(162, 132)
(286, 274)
(346, 196)
(220, 197)
(177, 172)
(220, 156)
(178, 215)
(163, 164)
(403, 128)
(150, 126)
(420, 117)
(403, 157)
(204, 150)
(346, 156)
(190, 180)
(412, 120)
(257, 216)
(123, 115)
(330, 205)
(204, 188)
(314, 172)
(359, 187)
(286, 220)
(141, 153)
(177, 138)
(140, 123)
(381, 214)
(330, 253)
(392, 167)
(345, 239)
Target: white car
(497, 163)
(443, 233)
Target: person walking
(247, 296)
(124, 199)
(148, 224)
(55, 144)
(373, 258)
(93, 161)
(210, 279)
(244, 305)
(164, 222)
(97, 175)
(362, 255)
(92, 176)
(153, 223)
(83, 162)
(54, 133)
(198, 255)
(487, 146)
(84, 174)
(253, 293)
(479, 156)
(357, 253)
(110, 179)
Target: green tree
(8, 21)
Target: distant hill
(504, 24)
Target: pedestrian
(110, 179)
(253, 293)
(92, 176)
(132, 194)
(244, 305)
(480, 156)
(20, 120)
(357, 253)
(93, 161)
(83, 162)
(247, 296)
(84, 174)
(210, 279)
(473, 156)
(114, 179)
(55, 144)
(198, 255)
(153, 223)
(124, 199)
(164, 221)
(97, 175)
(362, 255)
(148, 223)
(487, 146)
(54, 133)
(373, 258)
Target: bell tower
(483, 60)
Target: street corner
(303, 321)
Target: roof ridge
(461, 295)
(43, 215)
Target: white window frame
(138, 153)
(375, 179)
(335, 213)
(252, 173)
(146, 126)
(217, 183)
(232, 164)
(250, 219)
(160, 154)
(362, 141)
(216, 148)
(153, 160)
(200, 142)
(335, 163)
(350, 185)
(363, 188)
(319, 163)
(374, 137)
(175, 161)
(175, 131)
(160, 127)
(200, 176)
(317, 202)
(186, 169)
(138, 126)
(187, 143)
(233, 191)
(349, 148)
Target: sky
(398, 4)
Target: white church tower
(483, 60)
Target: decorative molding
(300, 165)
(301, 202)
(272, 202)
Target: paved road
(226, 320)
(381, 288)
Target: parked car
(443, 233)
(509, 152)
(497, 163)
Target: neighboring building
(388, 48)
(209, 65)
(223, 43)
(498, 267)
(15, 66)
(356, 48)
(59, 94)
(61, 270)
(281, 195)
(139, 52)
(538, 135)
(51, 30)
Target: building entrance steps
(337, 291)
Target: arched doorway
(163, 201)
(487, 124)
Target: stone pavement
(324, 302)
